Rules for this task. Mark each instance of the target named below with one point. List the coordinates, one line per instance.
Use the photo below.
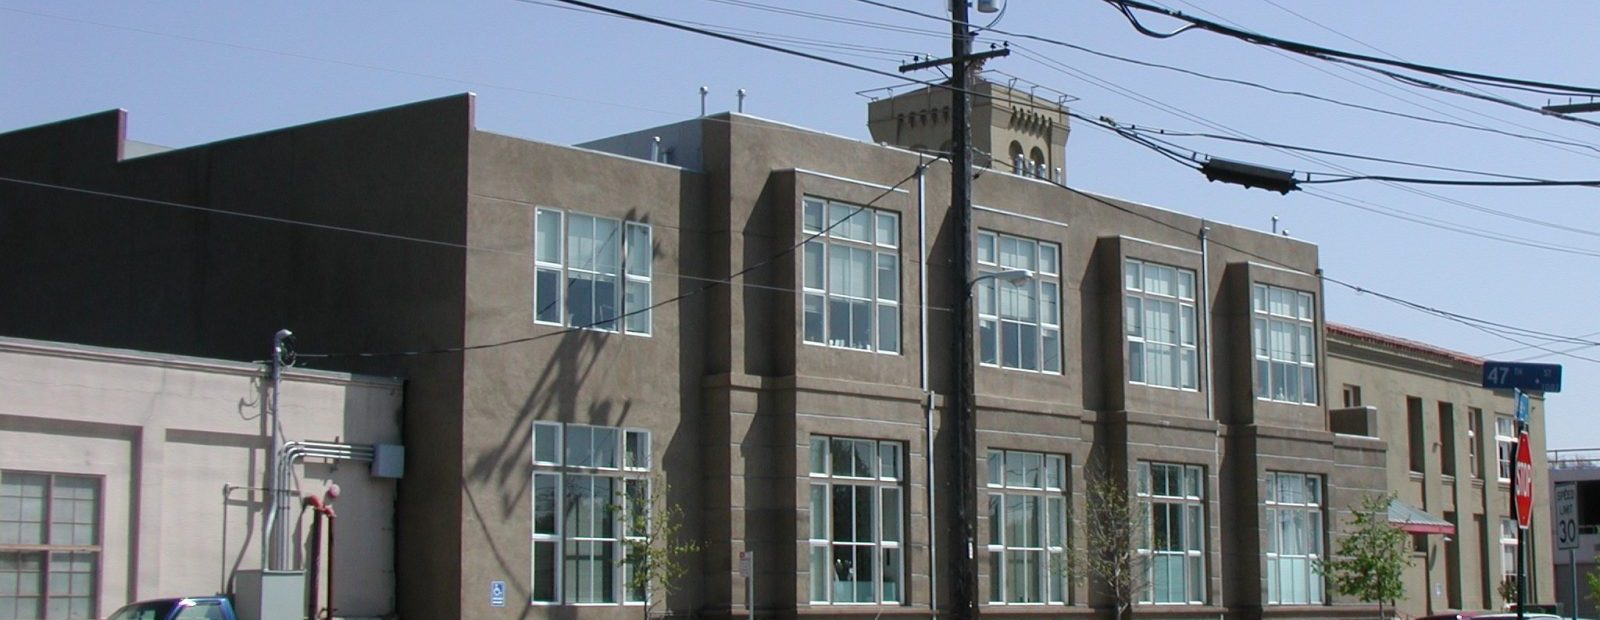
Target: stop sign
(1524, 489)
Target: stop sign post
(1524, 482)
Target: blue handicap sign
(497, 594)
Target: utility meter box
(270, 595)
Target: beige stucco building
(758, 315)
(128, 475)
(1451, 450)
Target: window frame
(884, 490)
(1508, 548)
(1137, 330)
(1311, 503)
(628, 277)
(630, 447)
(823, 235)
(991, 297)
(1191, 505)
(1053, 525)
(1505, 442)
(1266, 317)
(49, 549)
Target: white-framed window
(1019, 323)
(1027, 527)
(586, 479)
(49, 545)
(1508, 548)
(1505, 442)
(851, 271)
(1172, 498)
(591, 272)
(857, 521)
(1294, 538)
(1160, 323)
(1284, 332)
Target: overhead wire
(868, 69)
(1325, 53)
(401, 237)
(410, 238)
(1459, 123)
(621, 318)
(1399, 213)
(1552, 140)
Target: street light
(1009, 276)
(965, 423)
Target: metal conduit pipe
(287, 456)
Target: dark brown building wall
(333, 256)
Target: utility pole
(964, 595)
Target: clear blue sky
(192, 72)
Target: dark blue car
(194, 608)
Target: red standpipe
(321, 507)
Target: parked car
(192, 608)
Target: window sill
(1165, 387)
(1285, 402)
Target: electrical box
(270, 595)
(388, 460)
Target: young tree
(1112, 526)
(1508, 590)
(1372, 556)
(653, 541)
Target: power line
(1157, 104)
(1325, 53)
(413, 239)
(1554, 142)
(622, 317)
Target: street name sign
(1524, 485)
(1565, 514)
(1525, 376)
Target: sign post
(1521, 377)
(1522, 489)
(1565, 515)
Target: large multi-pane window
(587, 480)
(591, 272)
(857, 521)
(1171, 496)
(1019, 322)
(1160, 323)
(1284, 333)
(49, 545)
(852, 276)
(1508, 548)
(1027, 527)
(1294, 538)
(1505, 441)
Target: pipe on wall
(927, 391)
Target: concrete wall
(348, 231)
(580, 376)
(165, 434)
(1463, 572)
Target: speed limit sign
(1566, 516)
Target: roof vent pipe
(741, 101)
(655, 148)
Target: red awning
(1411, 519)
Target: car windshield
(151, 610)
